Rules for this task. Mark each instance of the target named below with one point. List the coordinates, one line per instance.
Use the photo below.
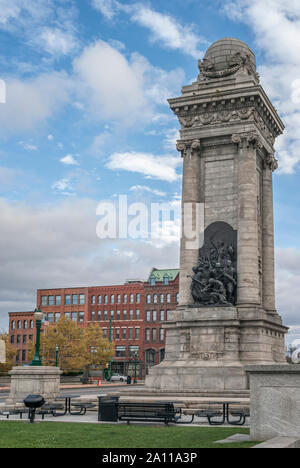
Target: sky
(86, 120)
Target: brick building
(133, 311)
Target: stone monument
(2, 352)
(226, 318)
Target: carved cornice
(184, 145)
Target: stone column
(247, 256)
(190, 151)
(270, 165)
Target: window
(130, 333)
(25, 324)
(51, 300)
(137, 314)
(67, 299)
(106, 299)
(152, 281)
(30, 337)
(117, 333)
(168, 315)
(155, 298)
(23, 355)
(19, 325)
(12, 325)
(168, 298)
(104, 332)
(162, 299)
(124, 314)
(31, 324)
(133, 351)
(154, 315)
(57, 317)
(166, 280)
(161, 334)
(58, 300)
(12, 339)
(93, 316)
(161, 355)
(74, 316)
(119, 299)
(120, 351)
(74, 299)
(81, 299)
(131, 298)
(67, 315)
(138, 298)
(112, 299)
(81, 316)
(118, 315)
(18, 339)
(154, 334)
(112, 314)
(93, 299)
(125, 299)
(131, 314)
(124, 334)
(148, 316)
(44, 300)
(147, 334)
(162, 315)
(99, 299)
(148, 298)
(24, 339)
(50, 317)
(105, 315)
(137, 333)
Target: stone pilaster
(248, 282)
(190, 151)
(270, 164)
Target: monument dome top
(225, 57)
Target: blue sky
(87, 84)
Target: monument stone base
(207, 349)
(42, 380)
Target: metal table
(225, 415)
(67, 398)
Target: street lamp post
(110, 340)
(56, 356)
(38, 315)
(135, 362)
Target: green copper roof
(159, 275)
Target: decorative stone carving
(215, 279)
(247, 139)
(235, 63)
(271, 162)
(194, 145)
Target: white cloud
(164, 29)
(145, 188)
(124, 90)
(56, 42)
(69, 160)
(276, 25)
(151, 166)
(50, 137)
(28, 146)
(63, 186)
(31, 102)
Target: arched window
(168, 298)
(155, 298)
(148, 298)
(162, 298)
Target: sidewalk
(81, 386)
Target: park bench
(209, 414)
(154, 412)
(83, 407)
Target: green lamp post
(110, 340)
(56, 356)
(38, 315)
(135, 363)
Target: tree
(97, 349)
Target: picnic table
(242, 414)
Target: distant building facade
(131, 314)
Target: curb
(280, 442)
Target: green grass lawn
(19, 434)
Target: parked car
(118, 378)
